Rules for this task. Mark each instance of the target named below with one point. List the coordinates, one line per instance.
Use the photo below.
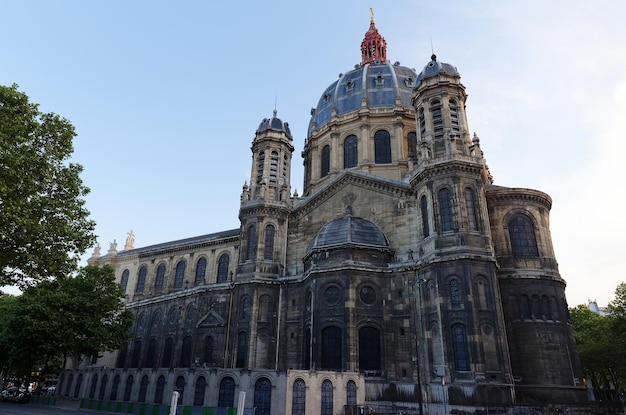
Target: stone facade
(402, 279)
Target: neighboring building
(401, 280)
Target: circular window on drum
(367, 294)
(332, 295)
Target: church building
(401, 280)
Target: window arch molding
(445, 197)
(382, 147)
(350, 151)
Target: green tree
(44, 226)
(74, 317)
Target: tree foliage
(44, 226)
(601, 343)
(76, 317)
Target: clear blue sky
(166, 97)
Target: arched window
(268, 253)
(382, 147)
(522, 235)
(200, 271)
(103, 386)
(180, 388)
(151, 356)
(222, 268)
(251, 239)
(459, 343)
(114, 388)
(143, 388)
(524, 306)
(262, 396)
(307, 349)
(422, 122)
(121, 355)
(455, 296)
(454, 116)
(545, 307)
(128, 388)
(331, 348)
(298, 400)
(350, 152)
(167, 352)
(472, 209)
(242, 349)
(79, 383)
(535, 307)
(424, 209)
(180, 274)
(226, 397)
(327, 398)
(411, 143)
(185, 354)
(141, 280)
(208, 350)
(134, 361)
(158, 391)
(351, 393)
(325, 161)
(92, 389)
(198, 395)
(159, 279)
(369, 348)
(124, 281)
(435, 110)
(445, 210)
(260, 167)
(273, 167)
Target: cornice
(498, 194)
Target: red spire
(374, 46)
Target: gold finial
(372, 11)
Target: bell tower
(265, 202)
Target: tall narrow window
(226, 397)
(121, 355)
(435, 110)
(273, 167)
(141, 280)
(422, 122)
(459, 343)
(103, 387)
(136, 354)
(268, 253)
(198, 396)
(222, 268)
(143, 389)
(331, 348)
(200, 271)
(180, 274)
(242, 349)
(79, 383)
(350, 152)
(251, 239)
(424, 209)
(445, 210)
(454, 117)
(472, 211)
(92, 389)
(327, 398)
(455, 297)
(158, 391)
(208, 350)
(159, 279)
(382, 147)
(524, 307)
(325, 161)
(411, 143)
(151, 356)
(128, 388)
(298, 400)
(167, 352)
(180, 388)
(522, 235)
(124, 281)
(185, 353)
(351, 393)
(369, 349)
(262, 396)
(260, 167)
(114, 388)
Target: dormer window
(326, 98)
(379, 81)
(349, 86)
(409, 82)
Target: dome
(349, 230)
(275, 124)
(376, 84)
(434, 68)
